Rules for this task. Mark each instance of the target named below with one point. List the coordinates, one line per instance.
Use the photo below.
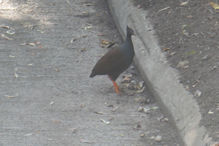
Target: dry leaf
(5, 26)
(11, 32)
(77, 38)
(51, 103)
(100, 34)
(154, 107)
(86, 141)
(127, 78)
(184, 3)
(88, 27)
(210, 112)
(15, 72)
(217, 106)
(163, 9)
(30, 64)
(142, 135)
(114, 109)
(15, 75)
(183, 64)
(28, 134)
(172, 53)
(56, 121)
(192, 52)
(83, 49)
(141, 90)
(158, 138)
(189, 16)
(82, 105)
(105, 42)
(11, 56)
(99, 113)
(10, 96)
(197, 93)
(57, 70)
(140, 84)
(88, 4)
(105, 122)
(166, 49)
(31, 44)
(6, 37)
(143, 109)
(73, 40)
(73, 130)
(214, 5)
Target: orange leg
(116, 87)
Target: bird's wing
(112, 61)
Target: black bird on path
(117, 60)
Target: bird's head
(130, 32)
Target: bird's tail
(92, 74)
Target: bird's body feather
(117, 60)
(112, 63)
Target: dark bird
(117, 60)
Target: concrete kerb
(162, 79)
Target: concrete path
(47, 50)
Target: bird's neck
(128, 41)
(127, 47)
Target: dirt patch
(188, 34)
